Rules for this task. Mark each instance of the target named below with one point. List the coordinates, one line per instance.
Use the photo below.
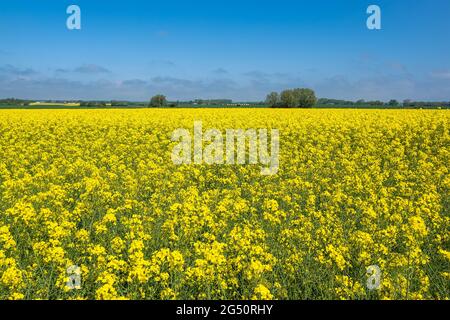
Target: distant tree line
(422, 104)
(112, 103)
(160, 101)
(327, 103)
(220, 102)
(93, 104)
(323, 102)
(213, 101)
(115, 103)
(295, 98)
(15, 102)
(359, 103)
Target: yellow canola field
(96, 191)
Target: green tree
(158, 101)
(288, 99)
(272, 99)
(393, 103)
(407, 103)
(361, 101)
(305, 98)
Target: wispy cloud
(275, 76)
(83, 69)
(256, 74)
(397, 67)
(134, 83)
(441, 74)
(15, 71)
(91, 69)
(220, 71)
(22, 82)
(165, 63)
(62, 70)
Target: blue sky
(224, 49)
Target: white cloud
(441, 74)
(91, 69)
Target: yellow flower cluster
(96, 189)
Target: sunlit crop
(97, 189)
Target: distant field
(54, 104)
